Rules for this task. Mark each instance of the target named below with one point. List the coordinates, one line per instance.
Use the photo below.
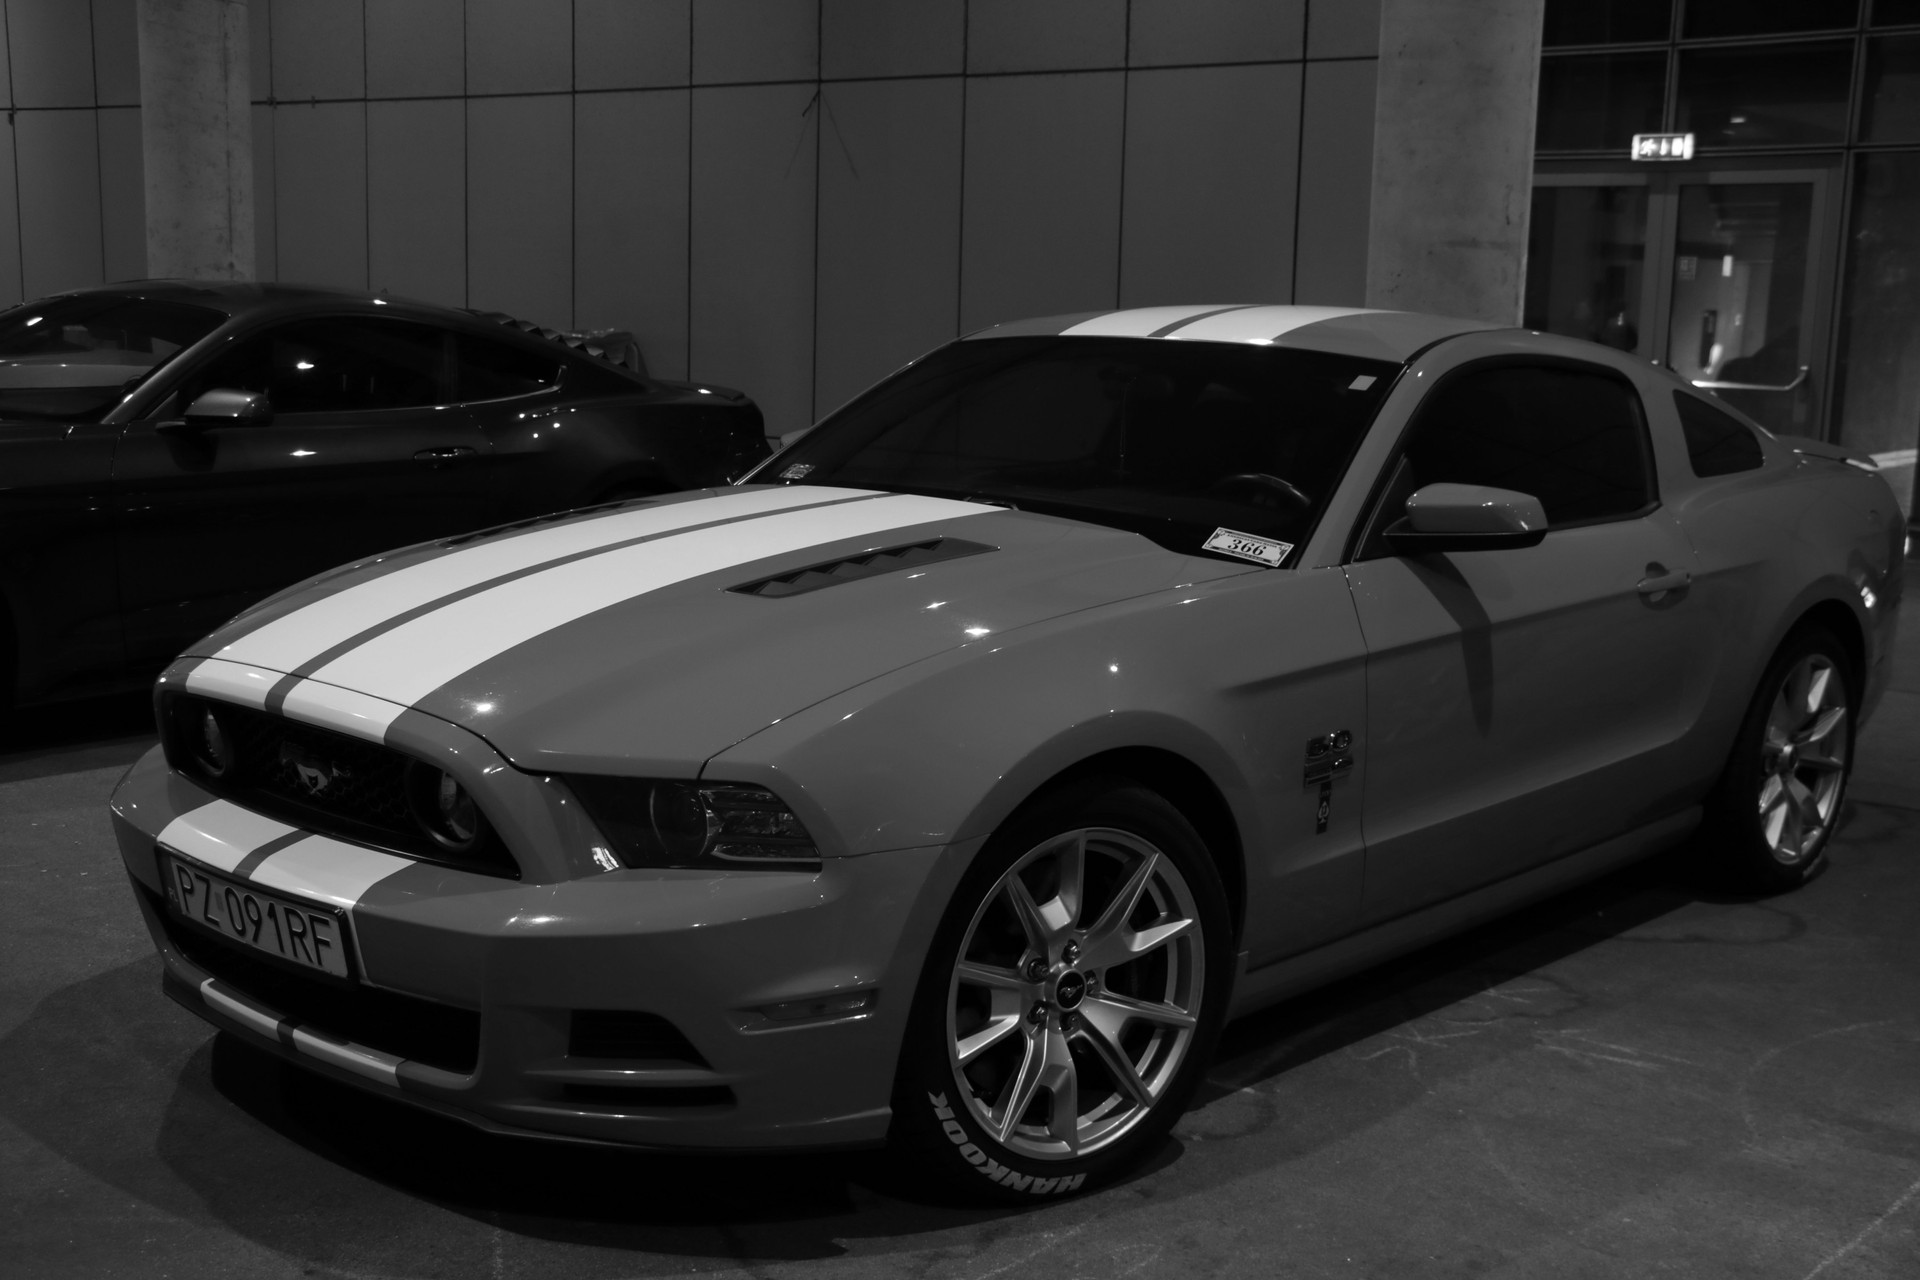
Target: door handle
(444, 454)
(1658, 580)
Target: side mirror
(1467, 517)
(222, 407)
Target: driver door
(1522, 703)
(355, 459)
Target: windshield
(1185, 442)
(72, 359)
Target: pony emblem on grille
(315, 774)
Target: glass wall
(1761, 84)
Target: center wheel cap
(1068, 992)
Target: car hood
(652, 636)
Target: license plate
(311, 937)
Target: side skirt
(1270, 984)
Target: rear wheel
(1779, 800)
(1070, 1001)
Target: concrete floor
(1631, 1080)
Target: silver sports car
(1087, 683)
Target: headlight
(444, 809)
(655, 823)
(211, 746)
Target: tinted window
(1606, 21)
(1571, 438)
(1170, 439)
(1597, 102)
(74, 358)
(1718, 444)
(490, 370)
(338, 366)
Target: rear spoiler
(1831, 452)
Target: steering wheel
(1261, 489)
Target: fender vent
(868, 564)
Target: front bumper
(465, 986)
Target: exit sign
(1663, 146)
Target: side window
(339, 365)
(1718, 444)
(1572, 438)
(489, 370)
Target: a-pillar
(1453, 156)
(197, 138)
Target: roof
(1355, 331)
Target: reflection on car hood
(623, 642)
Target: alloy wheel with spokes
(1070, 999)
(1073, 1002)
(1804, 753)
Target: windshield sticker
(1361, 383)
(1244, 545)
(798, 471)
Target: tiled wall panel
(116, 53)
(755, 40)
(1041, 215)
(1058, 35)
(123, 196)
(265, 238)
(519, 46)
(58, 161)
(1343, 29)
(1165, 33)
(891, 37)
(630, 221)
(631, 44)
(260, 36)
(753, 246)
(1336, 183)
(318, 49)
(1211, 168)
(520, 207)
(320, 192)
(10, 291)
(51, 52)
(415, 48)
(889, 229)
(417, 199)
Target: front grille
(439, 1035)
(621, 1033)
(364, 797)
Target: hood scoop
(868, 564)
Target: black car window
(1718, 444)
(1572, 437)
(338, 365)
(490, 370)
(1174, 440)
(72, 359)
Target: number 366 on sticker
(1248, 547)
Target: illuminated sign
(1662, 146)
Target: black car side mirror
(1467, 517)
(221, 407)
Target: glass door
(1725, 276)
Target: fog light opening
(820, 1008)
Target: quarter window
(489, 370)
(1718, 444)
(1571, 437)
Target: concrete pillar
(197, 137)
(1453, 156)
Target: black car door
(359, 455)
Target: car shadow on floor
(113, 1077)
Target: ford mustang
(1087, 683)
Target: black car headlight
(659, 823)
(444, 809)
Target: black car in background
(171, 452)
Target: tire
(1773, 812)
(1055, 1036)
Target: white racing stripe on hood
(415, 658)
(234, 681)
(305, 634)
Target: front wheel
(1070, 1001)
(1779, 799)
